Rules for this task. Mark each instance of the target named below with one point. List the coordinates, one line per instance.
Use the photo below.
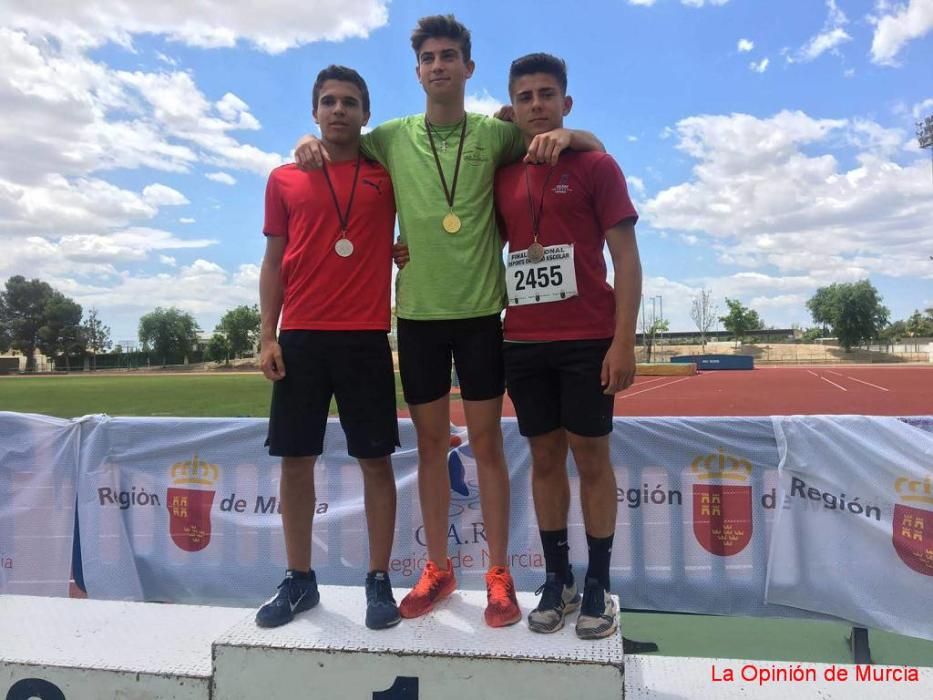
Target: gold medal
(535, 252)
(451, 223)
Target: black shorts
(355, 367)
(557, 385)
(425, 349)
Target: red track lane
(857, 389)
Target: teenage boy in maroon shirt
(567, 354)
(327, 271)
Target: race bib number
(552, 279)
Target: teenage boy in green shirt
(450, 295)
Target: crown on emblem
(719, 465)
(195, 471)
(915, 490)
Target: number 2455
(533, 278)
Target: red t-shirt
(323, 291)
(586, 195)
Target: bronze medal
(535, 252)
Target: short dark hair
(441, 26)
(539, 63)
(347, 75)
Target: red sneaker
(502, 608)
(434, 585)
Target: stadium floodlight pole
(925, 135)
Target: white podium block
(61, 649)
(450, 653)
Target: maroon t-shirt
(585, 196)
(323, 291)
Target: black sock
(556, 553)
(600, 554)
(297, 574)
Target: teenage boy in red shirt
(327, 271)
(569, 336)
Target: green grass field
(144, 395)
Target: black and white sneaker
(557, 601)
(599, 616)
(381, 610)
(295, 595)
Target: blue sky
(769, 146)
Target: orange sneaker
(502, 608)
(434, 585)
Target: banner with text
(186, 510)
(855, 536)
(38, 467)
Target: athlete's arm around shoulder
(310, 152)
(546, 147)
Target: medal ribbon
(536, 215)
(344, 217)
(452, 192)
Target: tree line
(851, 312)
(35, 316)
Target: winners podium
(60, 649)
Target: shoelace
(594, 601)
(429, 581)
(381, 592)
(552, 594)
(497, 583)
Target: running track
(768, 391)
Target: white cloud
(636, 185)
(759, 67)
(745, 45)
(162, 196)
(59, 205)
(482, 104)
(280, 25)
(822, 43)
(897, 28)
(921, 110)
(829, 39)
(631, 139)
(167, 260)
(186, 220)
(770, 195)
(65, 114)
(223, 178)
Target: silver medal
(343, 247)
(535, 252)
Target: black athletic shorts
(425, 349)
(353, 366)
(557, 385)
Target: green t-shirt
(457, 275)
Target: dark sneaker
(558, 600)
(599, 616)
(381, 610)
(295, 595)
